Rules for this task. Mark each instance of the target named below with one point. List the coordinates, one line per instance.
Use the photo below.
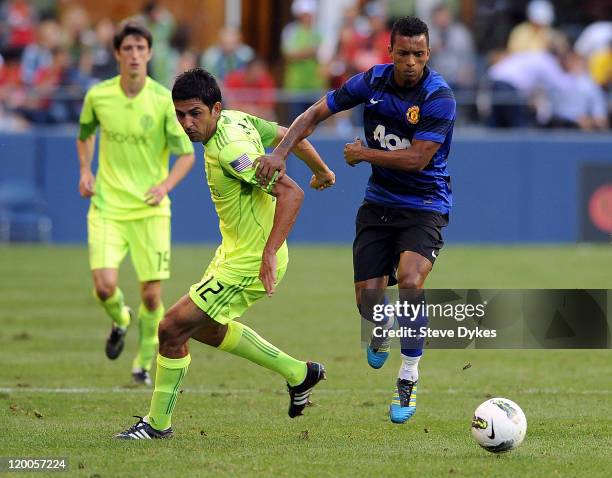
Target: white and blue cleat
(377, 357)
(403, 404)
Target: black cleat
(141, 376)
(300, 394)
(143, 431)
(115, 342)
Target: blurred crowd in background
(508, 69)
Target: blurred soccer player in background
(408, 117)
(130, 208)
(254, 222)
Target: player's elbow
(189, 160)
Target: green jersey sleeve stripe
(87, 129)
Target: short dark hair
(199, 84)
(409, 27)
(132, 28)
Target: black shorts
(382, 233)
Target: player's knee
(410, 281)
(105, 291)
(151, 300)
(167, 331)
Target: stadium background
(59, 395)
(530, 184)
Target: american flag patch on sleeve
(241, 163)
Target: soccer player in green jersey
(130, 209)
(252, 258)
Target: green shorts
(226, 296)
(147, 239)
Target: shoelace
(404, 391)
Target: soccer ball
(499, 425)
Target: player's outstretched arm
(181, 167)
(85, 151)
(323, 177)
(301, 128)
(414, 158)
(289, 197)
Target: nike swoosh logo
(433, 253)
(373, 101)
(492, 435)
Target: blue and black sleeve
(353, 92)
(437, 116)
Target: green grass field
(60, 396)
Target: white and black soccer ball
(499, 425)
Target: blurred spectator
(595, 37)
(373, 49)
(536, 34)
(38, 55)
(600, 66)
(300, 41)
(76, 31)
(19, 20)
(186, 60)
(452, 49)
(58, 90)
(11, 92)
(492, 25)
(160, 22)
(227, 55)
(103, 64)
(181, 57)
(580, 103)
(252, 89)
(520, 79)
(420, 8)
(352, 33)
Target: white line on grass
(229, 391)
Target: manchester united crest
(413, 115)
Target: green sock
(246, 343)
(168, 378)
(115, 308)
(148, 321)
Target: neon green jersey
(245, 210)
(137, 136)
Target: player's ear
(216, 109)
(150, 54)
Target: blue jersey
(393, 117)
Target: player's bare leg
(111, 299)
(185, 320)
(377, 351)
(412, 271)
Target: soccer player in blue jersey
(409, 113)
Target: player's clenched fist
(352, 152)
(86, 184)
(323, 181)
